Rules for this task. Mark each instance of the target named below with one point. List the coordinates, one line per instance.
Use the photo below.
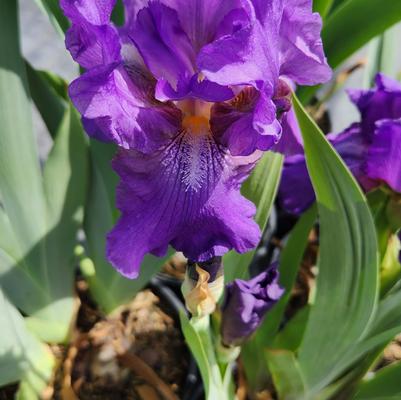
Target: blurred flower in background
(371, 148)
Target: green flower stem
(216, 389)
(198, 335)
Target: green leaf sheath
(198, 337)
(347, 284)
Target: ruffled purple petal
(302, 57)
(91, 40)
(94, 12)
(185, 194)
(201, 20)
(384, 156)
(115, 108)
(91, 46)
(269, 39)
(247, 56)
(246, 304)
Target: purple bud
(246, 304)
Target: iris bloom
(190, 91)
(246, 304)
(371, 148)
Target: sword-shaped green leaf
(22, 356)
(40, 214)
(347, 283)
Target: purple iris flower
(371, 148)
(246, 303)
(190, 91)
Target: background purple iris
(371, 148)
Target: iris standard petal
(302, 57)
(94, 12)
(163, 44)
(185, 194)
(201, 19)
(275, 38)
(192, 88)
(131, 9)
(92, 46)
(244, 57)
(91, 39)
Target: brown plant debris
(136, 354)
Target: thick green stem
(214, 386)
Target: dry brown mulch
(138, 353)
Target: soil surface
(138, 353)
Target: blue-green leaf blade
(49, 103)
(385, 385)
(21, 190)
(286, 373)
(347, 284)
(65, 183)
(22, 356)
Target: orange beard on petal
(196, 125)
